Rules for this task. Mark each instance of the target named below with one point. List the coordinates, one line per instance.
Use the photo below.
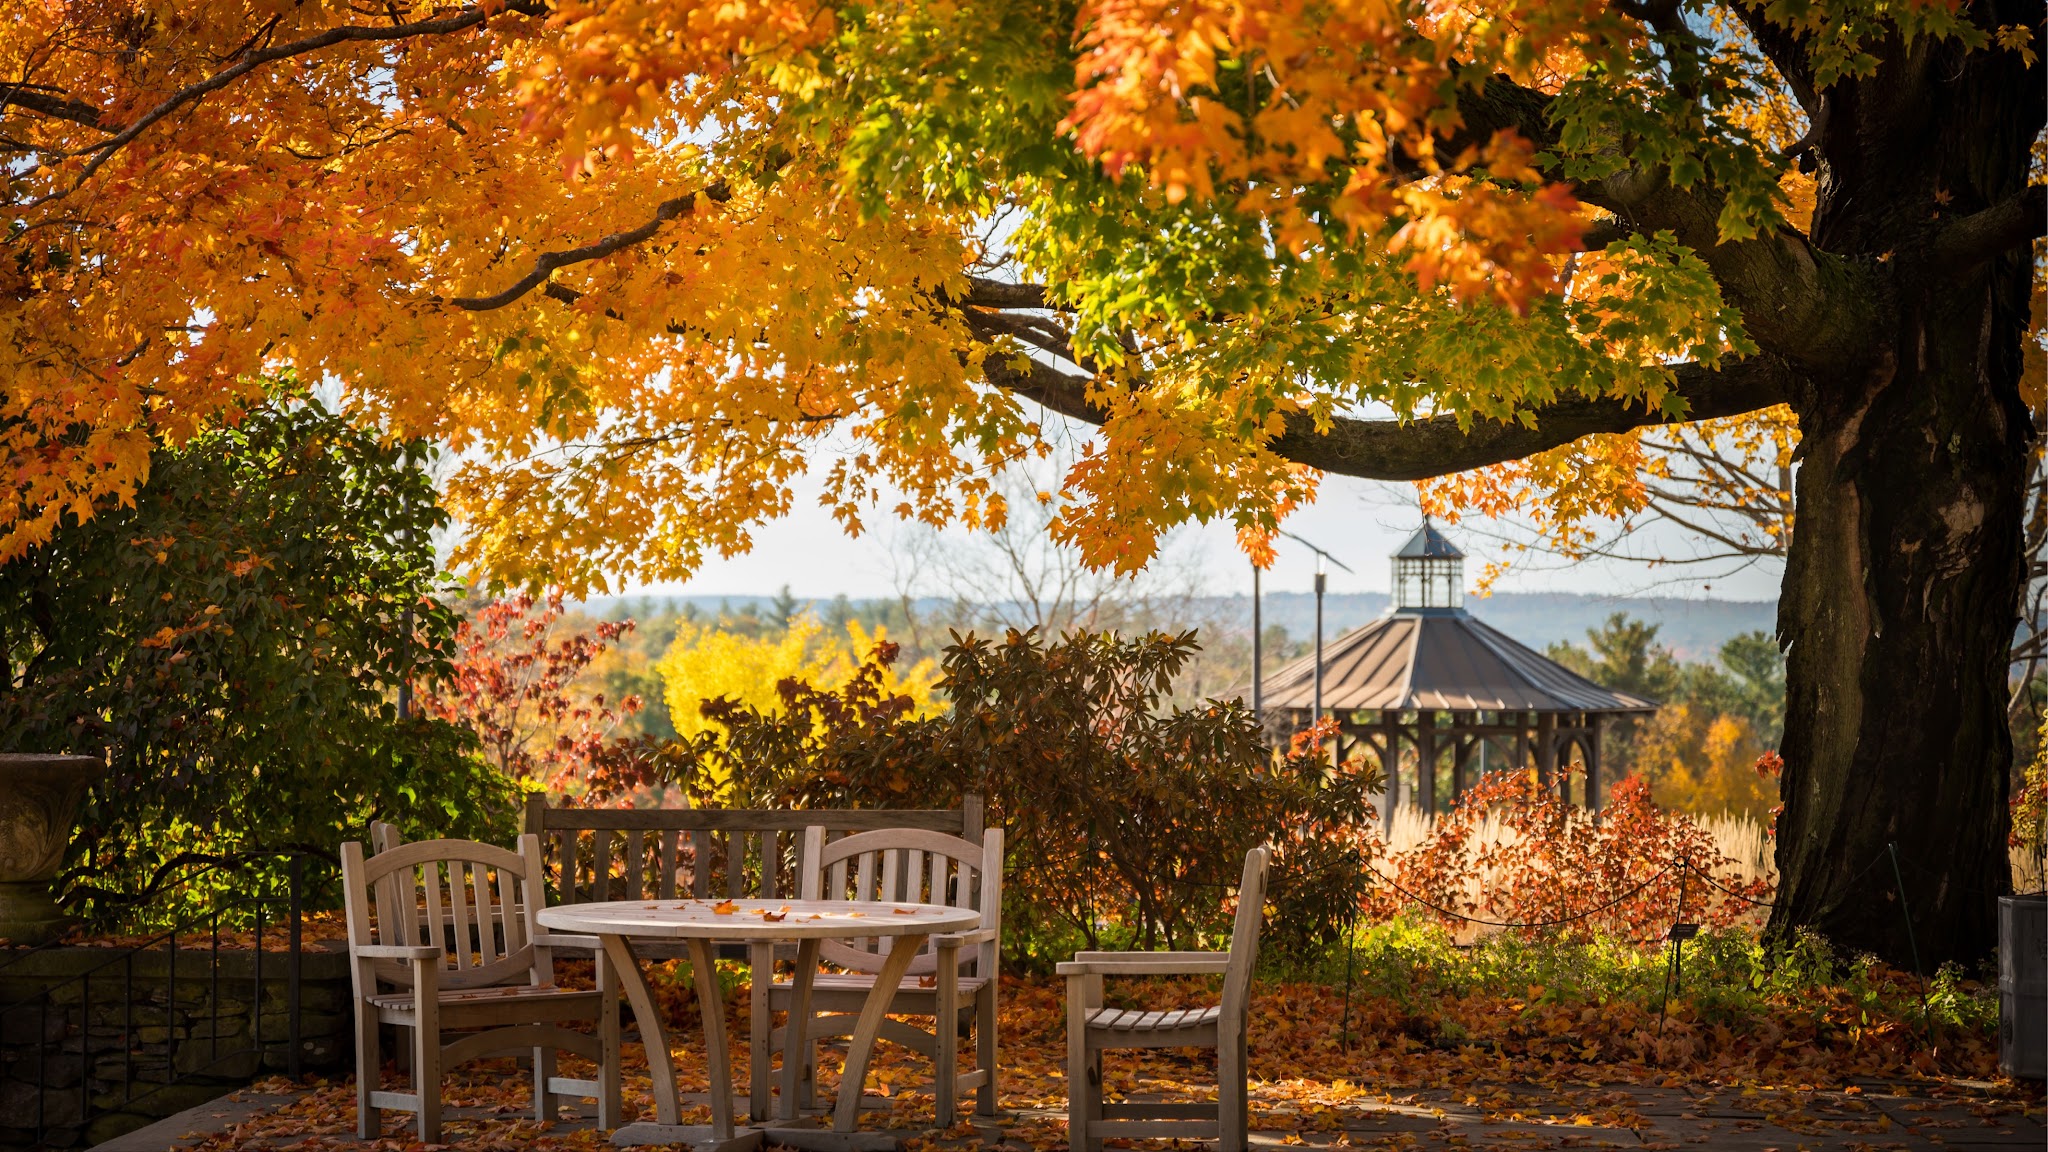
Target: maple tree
(707, 664)
(637, 262)
(513, 680)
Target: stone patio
(1924, 1115)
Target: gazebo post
(1462, 724)
(1593, 761)
(1390, 765)
(1546, 749)
(1425, 761)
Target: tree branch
(49, 104)
(1436, 446)
(1790, 52)
(2017, 220)
(348, 33)
(1040, 334)
(1808, 306)
(985, 293)
(545, 264)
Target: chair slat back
(907, 866)
(1244, 932)
(383, 838)
(477, 903)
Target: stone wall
(106, 1055)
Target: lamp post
(1316, 710)
(1258, 681)
(1321, 582)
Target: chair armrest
(1146, 964)
(566, 940)
(396, 951)
(962, 939)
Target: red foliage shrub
(1551, 866)
(512, 683)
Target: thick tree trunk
(1904, 579)
(1898, 607)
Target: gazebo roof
(1439, 660)
(1429, 544)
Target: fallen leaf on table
(726, 907)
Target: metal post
(43, 1063)
(1258, 679)
(255, 997)
(128, 1028)
(1320, 581)
(293, 1042)
(85, 1047)
(213, 993)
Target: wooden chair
(1093, 1029)
(953, 981)
(455, 946)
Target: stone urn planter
(39, 796)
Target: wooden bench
(737, 853)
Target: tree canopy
(639, 261)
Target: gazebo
(1439, 697)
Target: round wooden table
(700, 923)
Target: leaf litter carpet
(1573, 1078)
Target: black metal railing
(186, 1005)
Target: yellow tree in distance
(706, 663)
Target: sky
(1358, 522)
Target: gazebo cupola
(1429, 572)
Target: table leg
(718, 1065)
(760, 978)
(653, 1029)
(901, 951)
(796, 1034)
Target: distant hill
(1692, 629)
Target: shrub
(1123, 818)
(2029, 834)
(1740, 1006)
(1550, 865)
(232, 644)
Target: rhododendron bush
(233, 645)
